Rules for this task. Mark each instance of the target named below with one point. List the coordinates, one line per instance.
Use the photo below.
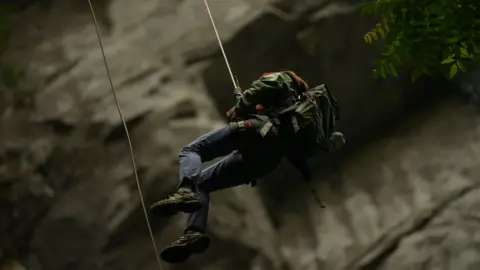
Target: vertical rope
(132, 156)
(235, 85)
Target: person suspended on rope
(277, 116)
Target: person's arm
(262, 89)
(237, 95)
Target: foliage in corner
(424, 35)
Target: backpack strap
(295, 125)
(267, 123)
(266, 128)
(288, 109)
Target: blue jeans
(248, 157)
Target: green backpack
(312, 122)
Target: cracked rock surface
(402, 195)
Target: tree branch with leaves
(428, 36)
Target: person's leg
(229, 172)
(205, 148)
(233, 170)
(262, 156)
(213, 144)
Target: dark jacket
(275, 91)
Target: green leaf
(461, 66)
(416, 74)
(392, 70)
(464, 52)
(397, 59)
(453, 70)
(385, 21)
(453, 40)
(448, 60)
(475, 47)
(369, 38)
(381, 31)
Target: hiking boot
(185, 246)
(184, 200)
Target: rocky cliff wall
(68, 195)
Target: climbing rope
(132, 156)
(235, 84)
(112, 88)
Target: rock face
(400, 199)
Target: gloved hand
(232, 114)
(237, 94)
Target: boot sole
(179, 254)
(167, 210)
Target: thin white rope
(221, 46)
(132, 156)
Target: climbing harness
(132, 156)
